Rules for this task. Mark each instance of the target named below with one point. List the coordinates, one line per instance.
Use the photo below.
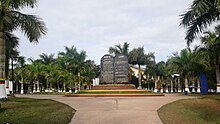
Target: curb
(112, 95)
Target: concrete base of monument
(114, 93)
(113, 86)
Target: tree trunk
(51, 87)
(139, 77)
(22, 85)
(198, 87)
(47, 86)
(2, 66)
(171, 85)
(79, 80)
(179, 85)
(38, 86)
(2, 55)
(156, 84)
(34, 88)
(58, 87)
(186, 85)
(64, 87)
(218, 77)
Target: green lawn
(34, 111)
(51, 93)
(203, 110)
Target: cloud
(95, 25)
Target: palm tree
(211, 49)
(70, 52)
(73, 61)
(186, 64)
(21, 65)
(11, 19)
(36, 70)
(119, 49)
(11, 51)
(138, 57)
(199, 16)
(47, 59)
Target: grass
(202, 110)
(51, 93)
(34, 111)
(115, 85)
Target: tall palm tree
(211, 49)
(11, 19)
(120, 49)
(138, 57)
(199, 16)
(11, 52)
(21, 65)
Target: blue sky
(95, 25)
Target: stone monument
(121, 69)
(114, 69)
(107, 69)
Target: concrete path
(114, 110)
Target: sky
(95, 25)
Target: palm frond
(20, 4)
(199, 16)
(32, 26)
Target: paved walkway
(111, 110)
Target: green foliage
(199, 16)
(65, 71)
(120, 49)
(137, 56)
(134, 80)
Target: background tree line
(68, 70)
